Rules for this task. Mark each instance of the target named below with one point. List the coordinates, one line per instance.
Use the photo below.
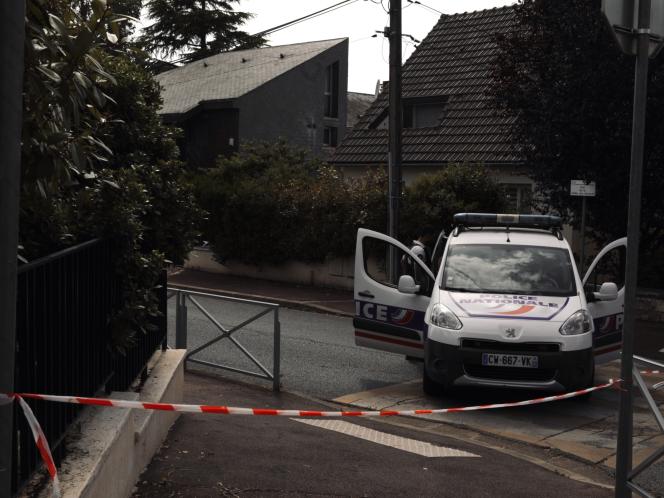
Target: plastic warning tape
(229, 410)
(40, 440)
(45, 452)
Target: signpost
(581, 188)
(639, 28)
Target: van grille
(510, 373)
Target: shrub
(271, 203)
(431, 201)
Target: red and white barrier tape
(45, 451)
(40, 440)
(229, 410)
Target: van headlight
(579, 323)
(441, 316)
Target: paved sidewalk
(305, 297)
(209, 455)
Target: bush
(271, 203)
(431, 201)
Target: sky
(358, 21)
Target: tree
(97, 161)
(561, 76)
(195, 29)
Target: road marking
(401, 443)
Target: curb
(286, 303)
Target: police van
(507, 307)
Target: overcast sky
(368, 57)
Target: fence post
(181, 321)
(12, 34)
(276, 384)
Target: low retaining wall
(336, 273)
(108, 448)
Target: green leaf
(52, 75)
(57, 24)
(99, 7)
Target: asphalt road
(215, 455)
(318, 353)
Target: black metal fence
(64, 302)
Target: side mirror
(607, 292)
(407, 285)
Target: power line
(417, 2)
(330, 8)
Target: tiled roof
(232, 74)
(454, 62)
(358, 103)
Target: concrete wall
(108, 448)
(335, 273)
(292, 105)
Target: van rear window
(509, 269)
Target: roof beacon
(541, 221)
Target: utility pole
(625, 420)
(395, 127)
(12, 34)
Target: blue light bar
(544, 221)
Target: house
(295, 92)
(358, 104)
(448, 114)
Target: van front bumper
(460, 366)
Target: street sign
(622, 16)
(582, 188)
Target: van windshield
(508, 269)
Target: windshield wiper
(461, 289)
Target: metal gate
(182, 297)
(652, 404)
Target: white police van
(507, 307)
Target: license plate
(509, 360)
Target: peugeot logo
(510, 333)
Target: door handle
(366, 294)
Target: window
(519, 197)
(509, 269)
(332, 91)
(424, 112)
(420, 112)
(376, 255)
(611, 268)
(330, 136)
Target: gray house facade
(292, 92)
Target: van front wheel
(430, 386)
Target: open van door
(438, 250)
(604, 285)
(389, 309)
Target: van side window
(611, 268)
(376, 257)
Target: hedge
(271, 203)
